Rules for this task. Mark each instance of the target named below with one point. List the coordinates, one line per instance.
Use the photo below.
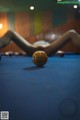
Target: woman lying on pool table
(52, 48)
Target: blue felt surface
(48, 93)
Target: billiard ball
(22, 53)
(6, 53)
(16, 53)
(39, 58)
(60, 53)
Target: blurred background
(39, 19)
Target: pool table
(51, 92)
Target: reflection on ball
(40, 58)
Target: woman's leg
(20, 41)
(30, 49)
(71, 35)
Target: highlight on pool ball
(39, 58)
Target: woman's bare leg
(30, 49)
(20, 41)
(71, 35)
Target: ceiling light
(75, 6)
(31, 7)
(1, 25)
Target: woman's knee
(72, 31)
(10, 31)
